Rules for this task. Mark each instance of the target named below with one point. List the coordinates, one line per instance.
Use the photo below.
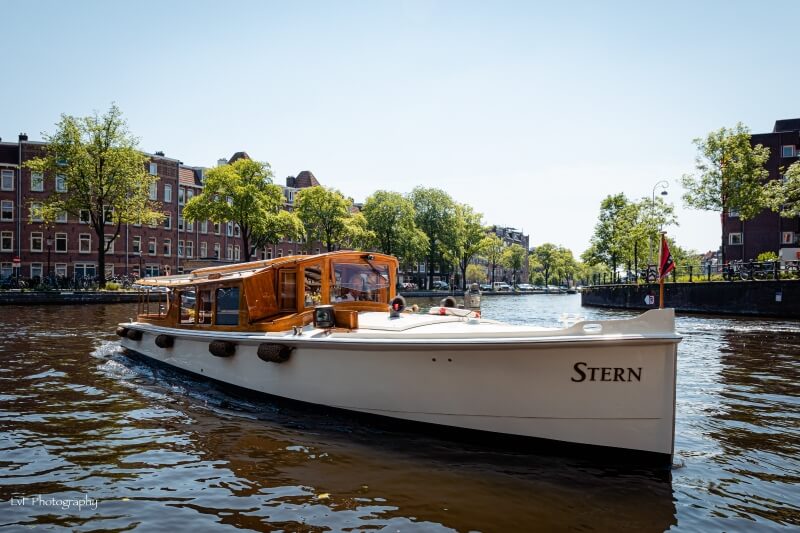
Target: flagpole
(660, 274)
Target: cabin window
(288, 290)
(227, 306)
(360, 282)
(153, 303)
(188, 304)
(205, 300)
(313, 285)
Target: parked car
(501, 286)
(486, 287)
(440, 286)
(525, 287)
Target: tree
(476, 273)
(390, 218)
(356, 235)
(783, 196)
(470, 238)
(547, 257)
(435, 216)
(276, 227)
(514, 259)
(243, 193)
(494, 252)
(616, 221)
(324, 213)
(730, 175)
(104, 175)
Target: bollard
(709, 271)
(690, 273)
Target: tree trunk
(101, 258)
(246, 246)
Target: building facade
(29, 248)
(768, 232)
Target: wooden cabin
(272, 295)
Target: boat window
(227, 306)
(313, 285)
(188, 303)
(204, 306)
(287, 282)
(360, 282)
(155, 302)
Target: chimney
(23, 137)
(221, 162)
(160, 152)
(290, 181)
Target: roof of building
(789, 124)
(305, 179)
(188, 176)
(237, 156)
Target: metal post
(708, 267)
(690, 273)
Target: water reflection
(162, 450)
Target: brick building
(768, 232)
(66, 248)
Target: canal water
(92, 440)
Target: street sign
(650, 299)
(16, 261)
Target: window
(153, 169)
(188, 302)
(236, 231)
(227, 312)
(85, 270)
(7, 181)
(189, 225)
(189, 249)
(237, 254)
(181, 196)
(216, 228)
(85, 243)
(61, 183)
(788, 150)
(168, 221)
(136, 245)
(733, 213)
(312, 275)
(62, 217)
(151, 246)
(167, 247)
(61, 270)
(204, 306)
(287, 290)
(204, 227)
(735, 239)
(180, 223)
(216, 250)
(203, 249)
(84, 217)
(229, 229)
(229, 255)
(360, 281)
(61, 243)
(269, 253)
(36, 211)
(787, 237)
(280, 253)
(7, 241)
(167, 193)
(108, 214)
(37, 181)
(6, 211)
(36, 270)
(152, 270)
(6, 270)
(180, 248)
(109, 240)
(154, 191)
(36, 241)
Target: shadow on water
(160, 449)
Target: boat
(328, 330)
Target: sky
(530, 112)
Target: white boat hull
(615, 390)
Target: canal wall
(14, 297)
(751, 298)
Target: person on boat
(346, 296)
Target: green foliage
(324, 213)
(357, 235)
(278, 226)
(112, 286)
(513, 258)
(470, 238)
(767, 256)
(494, 252)
(555, 262)
(476, 274)
(390, 218)
(435, 215)
(243, 193)
(104, 173)
(783, 196)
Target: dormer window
(788, 150)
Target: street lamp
(663, 185)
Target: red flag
(667, 264)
